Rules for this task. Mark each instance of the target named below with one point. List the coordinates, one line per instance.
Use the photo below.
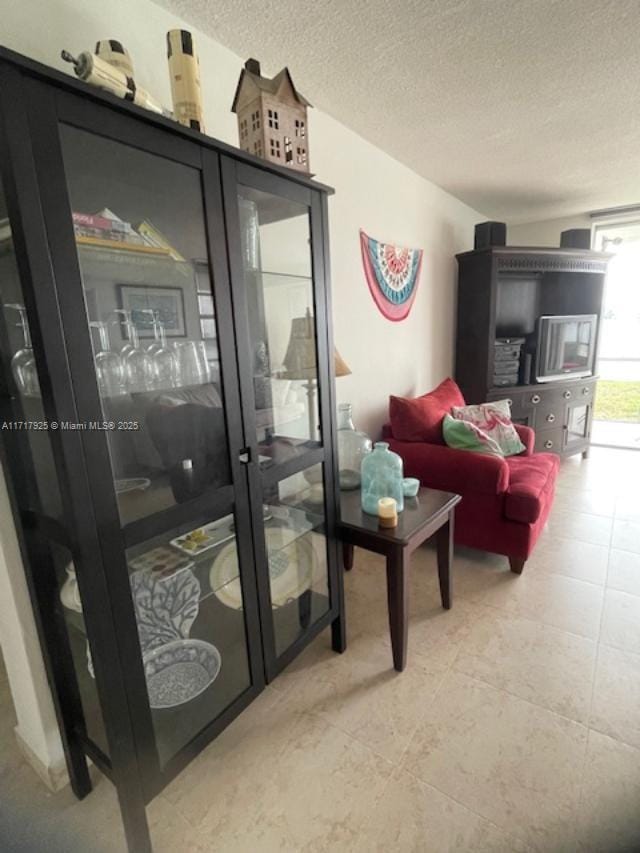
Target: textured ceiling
(524, 109)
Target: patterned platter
(177, 672)
(291, 566)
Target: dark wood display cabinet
(167, 403)
(502, 291)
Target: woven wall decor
(392, 273)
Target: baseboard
(55, 778)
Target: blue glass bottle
(381, 478)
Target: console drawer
(549, 440)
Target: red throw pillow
(420, 418)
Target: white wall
(546, 233)
(373, 191)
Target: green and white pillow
(464, 435)
(494, 419)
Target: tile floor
(515, 727)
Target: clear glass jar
(353, 446)
(382, 473)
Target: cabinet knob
(567, 395)
(535, 399)
(548, 444)
(510, 402)
(551, 418)
(585, 391)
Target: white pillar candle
(388, 512)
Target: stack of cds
(506, 361)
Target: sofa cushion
(465, 435)
(529, 478)
(493, 419)
(420, 418)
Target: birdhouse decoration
(272, 117)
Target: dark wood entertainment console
(502, 291)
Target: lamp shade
(341, 368)
(300, 358)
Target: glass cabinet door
(142, 246)
(283, 405)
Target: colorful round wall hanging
(392, 273)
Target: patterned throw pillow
(463, 435)
(495, 419)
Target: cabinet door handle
(567, 395)
(535, 399)
(585, 391)
(245, 455)
(551, 418)
(548, 444)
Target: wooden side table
(431, 512)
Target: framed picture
(168, 302)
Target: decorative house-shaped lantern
(272, 117)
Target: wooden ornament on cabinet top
(272, 117)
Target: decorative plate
(179, 671)
(132, 484)
(166, 607)
(163, 561)
(201, 539)
(291, 565)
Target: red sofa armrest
(459, 471)
(527, 437)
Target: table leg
(444, 539)
(398, 603)
(347, 556)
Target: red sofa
(505, 501)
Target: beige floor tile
(580, 525)
(563, 602)
(506, 759)
(628, 507)
(474, 573)
(170, 832)
(322, 788)
(608, 820)
(360, 693)
(568, 499)
(436, 635)
(413, 817)
(624, 571)
(227, 778)
(626, 535)
(616, 695)
(570, 557)
(546, 666)
(621, 621)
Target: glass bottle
(139, 373)
(23, 363)
(381, 478)
(109, 368)
(165, 362)
(353, 446)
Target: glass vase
(381, 478)
(353, 446)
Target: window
(275, 147)
(288, 150)
(244, 130)
(300, 128)
(273, 119)
(255, 120)
(302, 155)
(257, 148)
